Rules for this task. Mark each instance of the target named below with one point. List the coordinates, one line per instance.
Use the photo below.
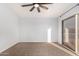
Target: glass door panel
(69, 32)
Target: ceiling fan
(37, 6)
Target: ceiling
(55, 10)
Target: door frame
(63, 28)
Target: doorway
(68, 32)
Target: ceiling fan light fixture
(36, 5)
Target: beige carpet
(34, 49)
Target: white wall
(8, 28)
(31, 29)
(35, 29)
(68, 14)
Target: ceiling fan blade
(44, 7)
(44, 3)
(27, 5)
(38, 9)
(32, 8)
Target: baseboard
(8, 47)
(65, 50)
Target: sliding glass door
(68, 26)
